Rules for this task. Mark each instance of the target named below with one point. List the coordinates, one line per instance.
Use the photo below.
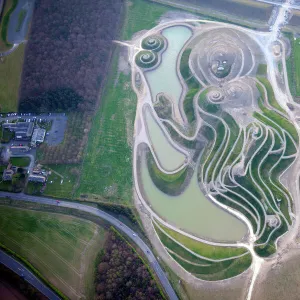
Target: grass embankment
(192, 84)
(206, 250)
(9, 7)
(270, 93)
(262, 69)
(62, 248)
(201, 267)
(10, 74)
(107, 166)
(293, 65)
(170, 184)
(20, 161)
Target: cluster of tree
(71, 149)
(19, 180)
(121, 274)
(21, 285)
(118, 210)
(59, 100)
(68, 53)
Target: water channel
(164, 78)
(19, 21)
(169, 157)
(191, 211)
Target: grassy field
(107, 166)
(20, 161)
(295, 43)
(62, 181)
(62, 248)
(142, 14)
(10, 74)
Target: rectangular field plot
(62, 248)
(107, 167)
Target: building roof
(38, 135)
(37, 178)
(7, 174)
(21, 129)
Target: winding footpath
(113, 221)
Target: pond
(168, 156)
(192, 211)
(164, 78)
(19, 21)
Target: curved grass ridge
(263, 195)
(221, 262)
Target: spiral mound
(153, 42)
(215, 96)
(146, 59)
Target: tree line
(68, 53)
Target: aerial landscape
(150, 149)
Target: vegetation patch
(122, 273)
(146, 59)
(71, 150)
(20, 161)
(10, 74)
(203, 249)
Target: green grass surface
(296, 64)
(107, 166)
(206, 250)
(262, 69)
(142, 14)
(201, 267)
(62, 181)
(20, 161)
(10, 74)
(59, 246)
(270, 93)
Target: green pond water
(169, 157)
(164, 78)
(191, 211)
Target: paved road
(116, 223)
(18, 268)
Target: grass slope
(209, 251)
(10, 74)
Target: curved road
(116, 223)
(19, 269)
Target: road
(19, 269)
(113, 221)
